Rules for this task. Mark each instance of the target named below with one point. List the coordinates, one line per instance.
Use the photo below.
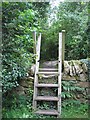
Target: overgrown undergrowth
(22, 108)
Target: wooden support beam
(59, 70)
(36, 71)
(63, 46)
(47, 112)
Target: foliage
(75, 110)
(88, 30)
(19, 106)
(71, 17)
(42, 8)
(70, 109)
(18, 24)
(69, 90)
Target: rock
(21, 93)
(71, 71)
(85, 68)
(66, 67)
(74, 71)
(83, 77)
(18, 90)
(26, 82)
(33, 67)
(83, 84)
(50, 64)
(77, 66)
(31, 72)
(68, 77)
(23, 83)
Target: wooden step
(46, 98)
(54, 73)
(47, 112)
(47, 85)
(48, 69)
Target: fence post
(63, 46)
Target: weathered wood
(47, 112)
(46, 98)
(54, 73)
(47, 85)
(63, 45)
(36, 71)
(60, 70)
(48, 69)
(45, 72)
(48, 76)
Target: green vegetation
(19, 20)
(21, 107)
(75, 111)
(73, 18)
(67, 112)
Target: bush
(17, 44)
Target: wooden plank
(47, 112)
(46, 98)
(60, 70)
(47, 69)
(48, 73)
(47, 85)
(38, 48)
(48, 76)
(36, 71)
(63, 45)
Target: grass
(21, 107)
(73, 111)
(20, 112)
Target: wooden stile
(49, 72)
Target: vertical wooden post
(63, 46)
(34, 45)
(60, 71)
(36, 70)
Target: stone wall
(74, 70)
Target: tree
(18, 22)
(73, 18)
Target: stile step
(54, 73)
(48, 69)
(46, 98)
(47, 85)
(47, 112)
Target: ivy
(17, 45)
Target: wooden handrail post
(63, 46)
(34, 44)
(37, 48)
